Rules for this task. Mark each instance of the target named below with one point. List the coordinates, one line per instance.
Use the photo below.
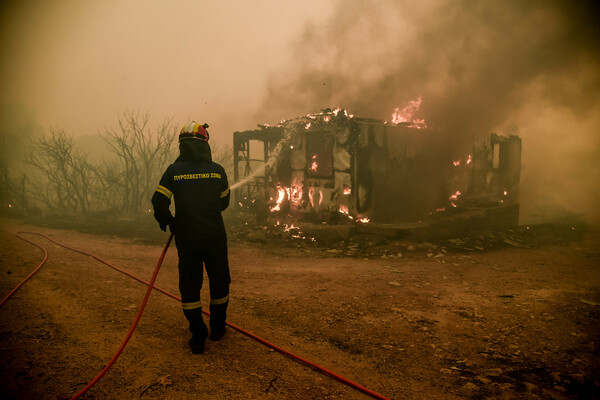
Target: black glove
(163, 227)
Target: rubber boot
(197, 328)
(218, 315)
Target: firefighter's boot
(218, 315)
(197, 328)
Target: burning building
(332, 165)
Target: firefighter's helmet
(194, 130)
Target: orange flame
(347, 191)
(344, 209)
(339, 109)
(294, 194)
(405, 114)
(280, 198)
(455, 196)
(287, 228)
(313, 166)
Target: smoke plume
(530, 68)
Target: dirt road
(508, 324)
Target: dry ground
(507, 324)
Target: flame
(455, 196)
(9, 205)
(364, 220)
(405, 114)
(505, 192)
(458, 162)
(344, 209)
(347, 191)
(294, 194)
(327, 114)
(287, 228)
(339, 109)
(294, 232)
(280, 198)
(307, 126)
(313, 166)
(311, 197)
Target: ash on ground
(344, 240)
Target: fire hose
(28, 276)
(143, 305)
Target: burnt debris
(336, 168)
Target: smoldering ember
(385, 255)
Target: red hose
(241, 330)
(28, 276)
(135, 322)
(102, 261)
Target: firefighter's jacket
(201, 191)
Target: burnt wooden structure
(331, 164)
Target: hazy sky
(530, 67)
(79, 64)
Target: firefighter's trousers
(212, 254)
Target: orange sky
(79, 64)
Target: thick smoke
(530, 68)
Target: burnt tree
(141, 154)
(68, 174)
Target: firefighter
(200, 190)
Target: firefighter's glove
(163, 227)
